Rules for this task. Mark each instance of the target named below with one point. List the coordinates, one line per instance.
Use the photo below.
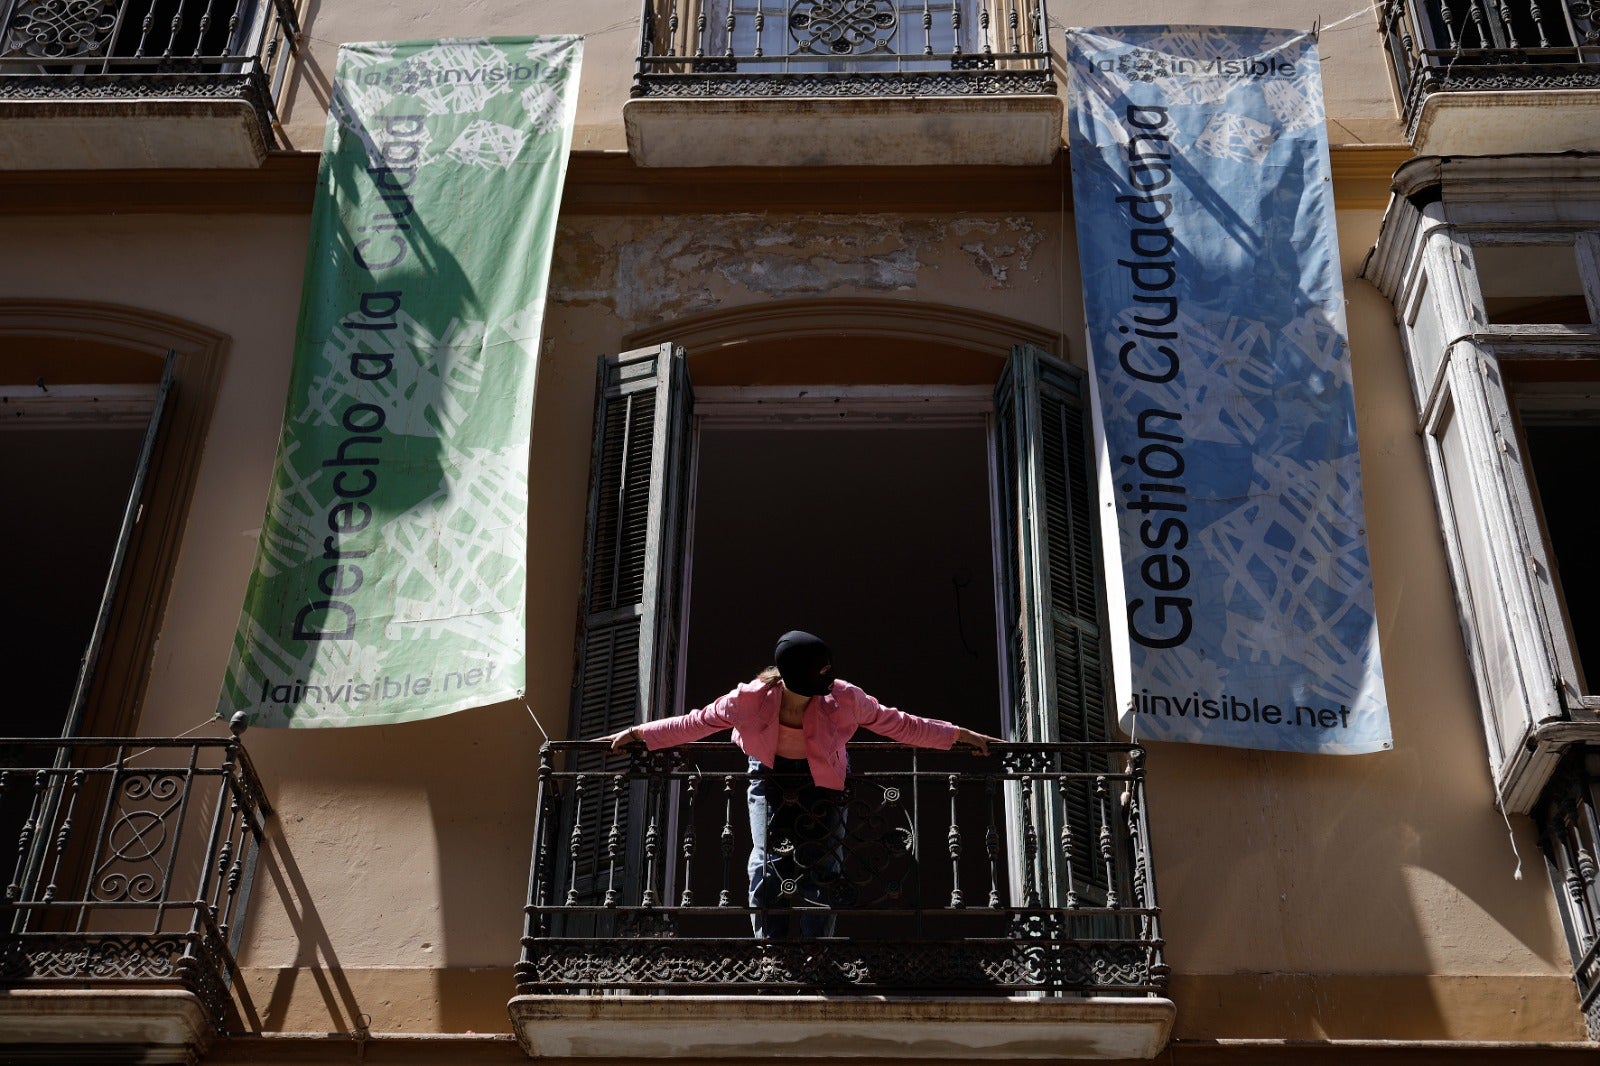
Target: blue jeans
(796, 849)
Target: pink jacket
(751, 711)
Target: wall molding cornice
(609, 183)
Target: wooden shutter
(1505, 594)
(1051, 585)
(119, 554)
(72, 721)
(632, 596)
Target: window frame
(1058, 645)
(1562, 403)
(57, 329)
(1585, 247)
(827, 407)
(1510, 607)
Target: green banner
(389, 578)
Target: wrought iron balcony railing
(1512, 45)
(140, 49)
(130, 863)
(843, 48)
(1569, 829)
(1026, 871)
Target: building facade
(801, 272)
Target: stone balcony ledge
(876, 1027)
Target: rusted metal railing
(1025, 871)
(129, 862)
(838, 48)
(148, 49)
(1486, 45)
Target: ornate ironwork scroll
(832, 966)
(958, 82)
(841, 48)
(60, 29)
(154, 838)
(842, 27)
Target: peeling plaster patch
(650, 269)
(670, 271)
(1017, 239)
(988, 264)
(576, 279)
(819, 273)
(664, 272)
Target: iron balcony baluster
(843, 48)
(900, 924)
(136, 49)
(1568, 817)
(1478, 45)
(149, 855)
(692, 786)
(953, 843)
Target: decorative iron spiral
(118, 887)
(156, 786)
(842, 27)
(61, 29)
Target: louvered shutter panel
(632, 575)
(1504, 592)
(1052, 590)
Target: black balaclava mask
(805, 663)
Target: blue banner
(1242, 611)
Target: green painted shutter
(632, 577)
(1052, 589)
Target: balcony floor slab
(1509, 122)
(166, 1024)
(135, 134)
(877, 1027)
(915, 131)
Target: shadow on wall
(1367, 894)
(315, 957)
(363, 917)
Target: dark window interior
(1561, 458)
(876, 539)
(65, 494)
(1531, 284)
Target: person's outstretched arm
(910, 729)
(684, 728)
(978, 742)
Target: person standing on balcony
(795, 719)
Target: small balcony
(844, 82)
(1483, 77)
(140, 84)
(950, 906)
(1569, 829)
(133, 863)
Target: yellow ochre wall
(1304, 897)
(1356, 78)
